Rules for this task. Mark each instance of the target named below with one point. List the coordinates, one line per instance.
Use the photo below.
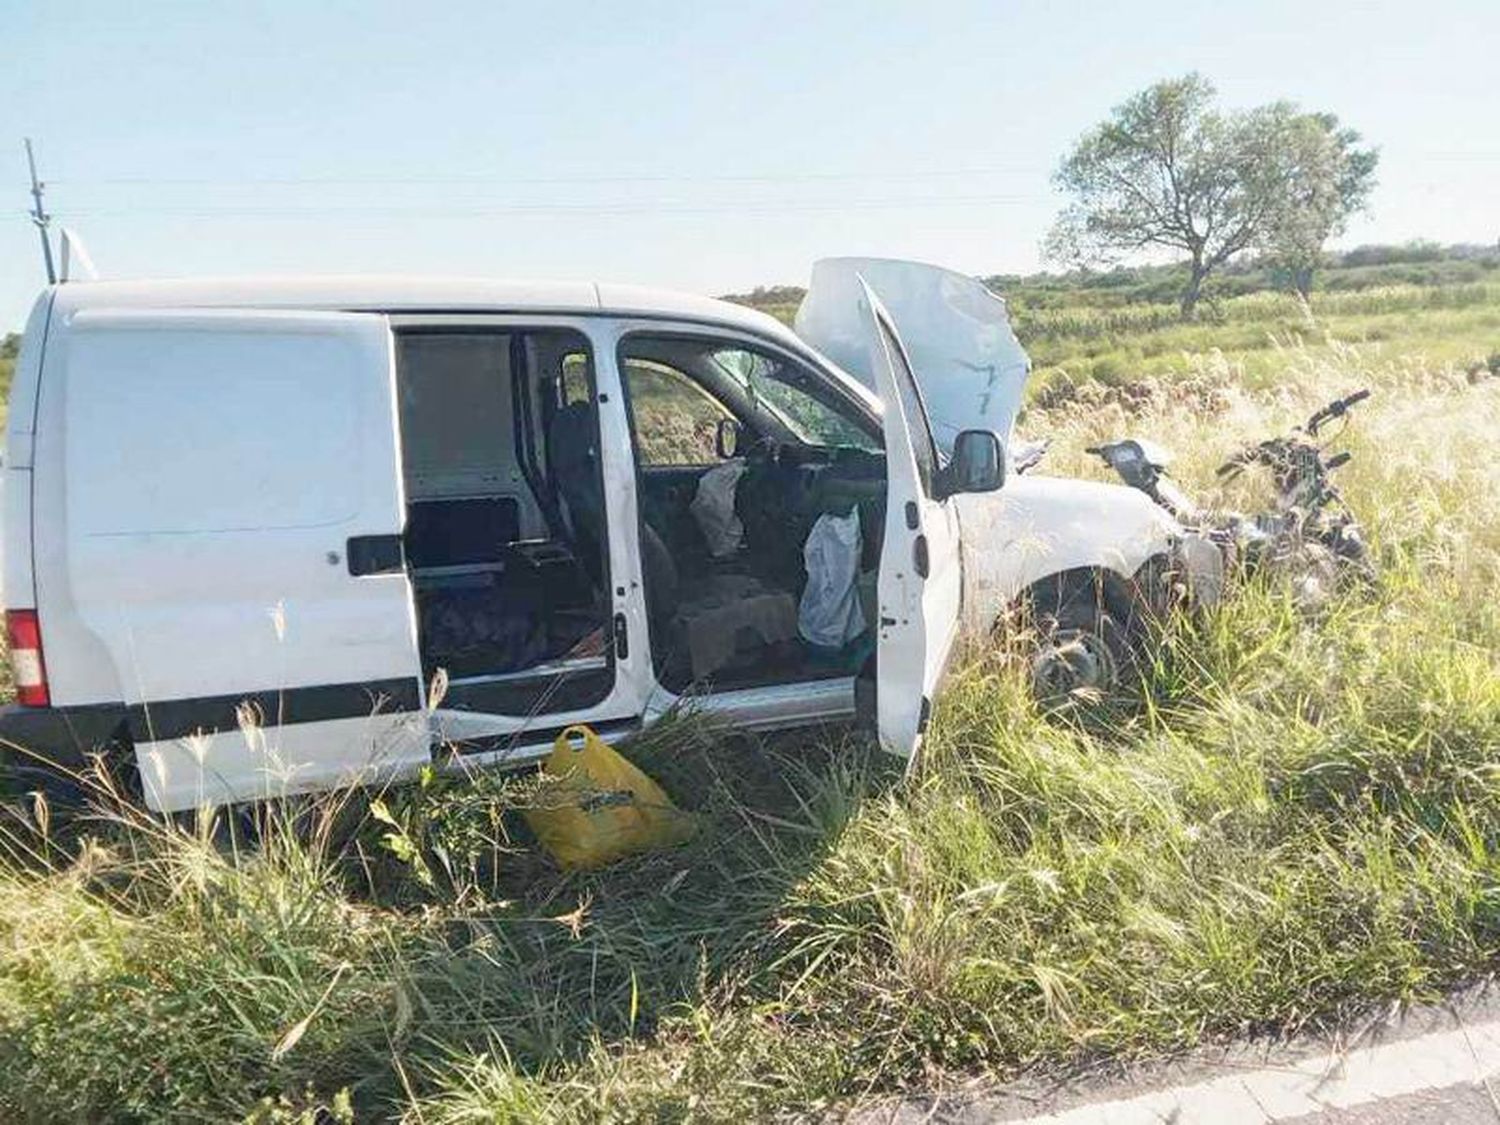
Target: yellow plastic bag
(601, 808)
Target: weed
(1300, 820)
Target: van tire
(61, 751)
(1087, 637)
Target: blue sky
(700, 146)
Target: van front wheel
(1079, 661)
(1082, 650)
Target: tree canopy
(1169, 170)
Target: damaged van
(271, 536)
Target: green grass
(1438, 326)
(1299, 820)
(1124, 327)
(10, 348)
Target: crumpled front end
(1038, 526)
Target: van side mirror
(978, 463)
(727, 438)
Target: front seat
(700, 624)
(573, 465)
(707, 620)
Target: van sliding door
(234, 510)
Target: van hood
(968, 362)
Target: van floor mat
(729, 614)
(478, 631)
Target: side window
(676, 421)
(796, 398)
(911, 405)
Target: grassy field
(1122, 327)
(1299, 820)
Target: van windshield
(795, 398)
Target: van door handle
(374, 554)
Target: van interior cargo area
(530, 610)
(511, 597)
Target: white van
(269, 536)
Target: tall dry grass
(1299, 821)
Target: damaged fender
(1038, 526)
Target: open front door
(920, 585)
(234, 513)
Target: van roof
(395, 293)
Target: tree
(1326, 178)
(1168, 170)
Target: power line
(486, 178)
(426, 210)
(553, 181)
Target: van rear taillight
(24, 633)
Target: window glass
(797, 399)
(676, 421)
(576, 379)
(455, 390)
(911, 405)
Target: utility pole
(39, 215)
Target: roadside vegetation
(1298, 820)
(1435, 305)
(10, 348)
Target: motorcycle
(1309, 538)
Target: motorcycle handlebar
(1336, 409)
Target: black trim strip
(534, 695)
(63, 735)
(166, 720)
(531, 736)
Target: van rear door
(234, 509)
(921, 580)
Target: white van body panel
(279, 761)
(921, 573)
(215, 465)
(1038, 526)
(17, 558)
(20, 421)
(143, 609)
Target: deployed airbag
(829, 615)
(713, 508)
